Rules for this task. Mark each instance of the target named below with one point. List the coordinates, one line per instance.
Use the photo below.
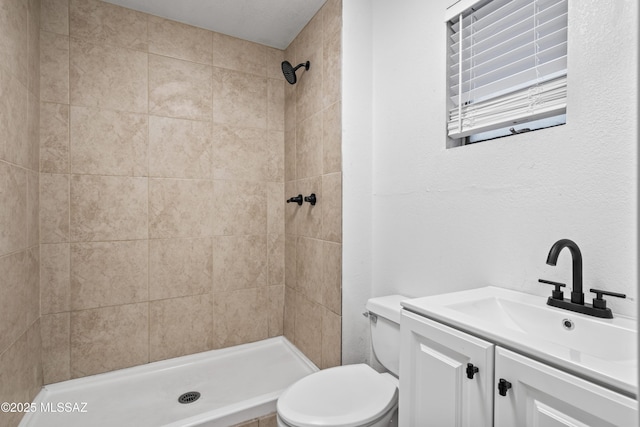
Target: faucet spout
(577, 296)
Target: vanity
(497, 357)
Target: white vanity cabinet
(434, 386)
(542, 396)
(435, 390)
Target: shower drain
(189, 397)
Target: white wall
(460, 218)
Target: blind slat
(508, 61)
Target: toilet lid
(345, 396)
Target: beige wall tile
(54, 67)
(13, 315)
(239, 55)
(291, 209)
(54, 138)
(332, 277)
(240, 153)
(105, 23)
(310, 38)
(33, 208)
(108, 208)
(54, 16)
(239, 317)
(275, 105)
(309, 147)
(109, 338)
(13, 122)
(309, 218)
(290, 261)
(274, 63)
(239, 262)
(14, 379)
(289, 320)
(179, 148)
(105, 142)
(32, 284)
(54, 208)
(332, 207)
(33, 361)
(308, 326)
(332, 138)
(309, 262)
(275, 156)
(180, 208)
(13, 209)
(55, 279)
(180, 267)
(180, 41)
(331, 339)
(309, 86)
(252, 423)
(33, 47)
(109, 273)
(276, 310)
(332, 17)
(290, 154)
(171, 335)
(239, 208)
(290, 118)
(275, 247)
(13, 38)
(239, 99)
(179, 88)
(269, 421)
(32, 147)
(275, 207)
(108, 77)
(55, 330)
(332, 68)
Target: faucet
(599, 306)
(577, 296)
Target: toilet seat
(345, 396)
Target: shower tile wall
(313, 246)
(161, 189)
(20, 345)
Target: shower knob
(297, 199)
(311, 199)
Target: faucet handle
(557, 293)
(599, 302)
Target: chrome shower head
(290, 72)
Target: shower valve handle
(297, 199)
(311, 199)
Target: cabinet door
(434, 387)
(542, 396)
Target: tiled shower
(146, 188)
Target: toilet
(352, 395)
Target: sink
(601, 350)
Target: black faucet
(599, 307)
(577, 296)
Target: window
(507, 68)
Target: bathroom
(112, 240)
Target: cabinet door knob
(503, 386)
(471, 370)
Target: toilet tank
(384, 322)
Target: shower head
(290, 72)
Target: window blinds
(507, 64)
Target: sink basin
(601, 350)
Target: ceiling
(273, 23)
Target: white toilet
(352, 395)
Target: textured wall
(20, 345)
(162, 188)
(487, 214)
(313, 164)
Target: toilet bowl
(352, 395)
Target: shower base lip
(236, 384)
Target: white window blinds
(507, 64)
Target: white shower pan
(236, 384)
